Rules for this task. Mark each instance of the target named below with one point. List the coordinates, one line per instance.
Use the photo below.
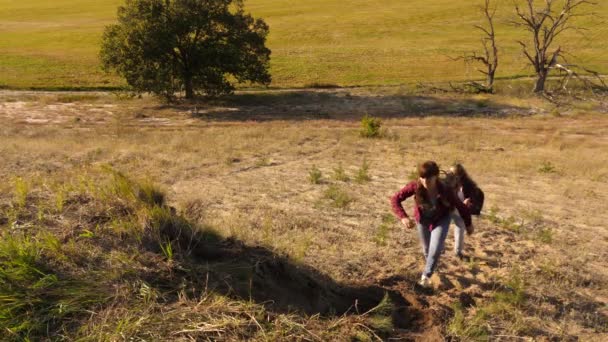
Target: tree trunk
(490, 81)
(539, 86)
(189, 87)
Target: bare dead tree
(546, 24)
(489, 57)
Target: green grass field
(54, 44)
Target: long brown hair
(463, 176)
(427, 169)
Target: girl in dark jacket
(433, 203)
(471, 195)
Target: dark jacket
(476, 196)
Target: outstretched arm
(407, 191)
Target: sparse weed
(545, 235)
(59, 200)
(473, 264)
(370, 127)
(20, 192)
(547, 167)
(361, 336)
(339, 197)
(380, 317)
(382, 233)
(506, 303)
(315, 175)
(150, 194)
(167, 249)
(340, 175)
(147, 293)
(510, 223)
(468, 328)
(363, 173)
(262, 162)
(301, 248)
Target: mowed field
(88, 180)
(54, 44)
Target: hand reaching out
(408, 223)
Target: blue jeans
(433, 243)
(458, 231)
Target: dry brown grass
(546, 178)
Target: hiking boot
(425, 281)
(460, 256)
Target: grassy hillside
(208, 227)
(352, 42)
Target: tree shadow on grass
(338, 104)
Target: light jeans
(458, 232)
(433, 242)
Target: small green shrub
(339, 197)
(370, 127)
(340, 175)
(547, 167)
(363, 173)
(315, 175)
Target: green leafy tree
(198, 46)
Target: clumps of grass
(547, 167)
(468, 328)
(545, 235)
(314, 175)
(370, 127)
(505, 306)
(384, 229)
(126, 189)
(339, 197)
(150, 194)
(340, 175)
(33, 299)
(363, 173)
(510, 223)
